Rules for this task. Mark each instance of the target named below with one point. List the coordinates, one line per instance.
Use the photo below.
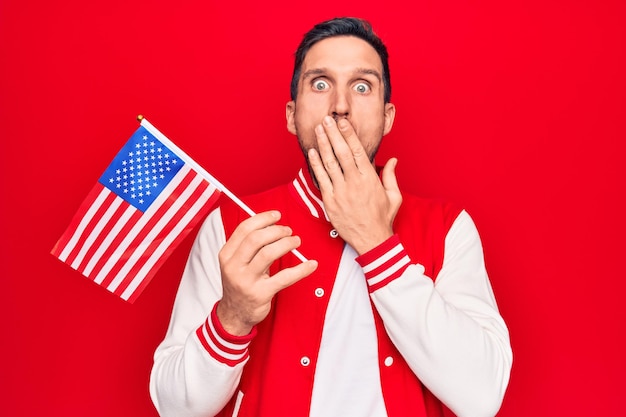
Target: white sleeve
(450, 331)
(197, 367)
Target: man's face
(341, 77)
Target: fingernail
(328, 121)
(319, 130)
(342, 123)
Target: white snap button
(388, 361)
(334, 233)
(305, 361)
(319, 292)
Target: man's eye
(320, 85)
(362, 88)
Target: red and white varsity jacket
(437, 343)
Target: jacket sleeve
(448, 330)
(198, 365)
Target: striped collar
(309, 195)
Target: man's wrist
(221, 345)
(384, 263)
(229, 322)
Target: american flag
(146, 202)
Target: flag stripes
(119, 247)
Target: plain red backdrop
(514, 109)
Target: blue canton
(141, 170)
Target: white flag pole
(210, 178)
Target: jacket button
(334, 234)
(319, 292)
(388, 361)
(305, 361)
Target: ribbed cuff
(384, 263)
(226, 348)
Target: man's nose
(340, 106)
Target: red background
(514, 109)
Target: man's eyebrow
(368, 71)
(313, 72)
(322, 71)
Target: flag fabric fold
(146, 202)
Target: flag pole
(210, 178)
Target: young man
(395, 317)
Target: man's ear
(290, 114)
(390, 115)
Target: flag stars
(142, 170)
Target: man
(395, 317)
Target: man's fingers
(290, 276)
(390, 182)
(327, 153)
(323, 180)
(346, 146)
(270, 252)
(357, 153)
(256, 222)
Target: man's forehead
(344, 53)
